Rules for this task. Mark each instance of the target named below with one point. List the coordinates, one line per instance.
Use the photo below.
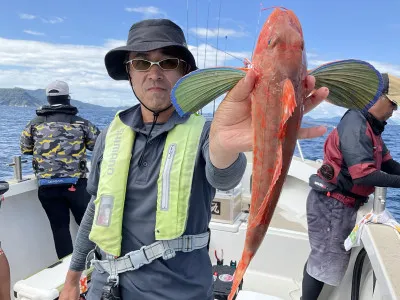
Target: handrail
(17, 165)
(299, 148)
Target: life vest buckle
(138, 258)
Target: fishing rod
(216, 52)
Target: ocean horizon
(14, 119)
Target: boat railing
(300, 152)
(17, 166)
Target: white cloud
(27, 16)
(213, 32)
(81, 66)
(53, 20)
(31, 32)
(112, 43)
(386, 67)
(147, 11)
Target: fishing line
(271, 7)
(205, 48)
(197, 37)
(258, 23)
(187, 21)
(233, 56)
(257, 27)
(226, 42)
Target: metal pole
(301, 152)
(379, 200)
(17, 165)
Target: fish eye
(273, 41)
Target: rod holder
(379, 200)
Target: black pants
(57, 201)
(311, 287)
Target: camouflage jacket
(58, 140)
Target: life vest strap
(165, 249)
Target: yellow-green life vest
(174, 182)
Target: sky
(41, 41)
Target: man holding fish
(154, 175)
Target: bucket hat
(391, 87)
(146, 36)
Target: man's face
(153, 86)
(388, 107)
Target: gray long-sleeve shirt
(188, 275)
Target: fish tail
(239, 272)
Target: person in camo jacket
(58, 139)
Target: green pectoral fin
(352, 83)
(195, 90)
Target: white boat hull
(277, 268)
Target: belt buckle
(138, 258)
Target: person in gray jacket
(148, 268)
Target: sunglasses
(394, 104)
(167, 64)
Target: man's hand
(71, 289)
(311, 102)
(231, 130)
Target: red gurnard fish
(280, 64)
(277, 109)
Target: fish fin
(288, 107)
(352, 83)
(198, 88)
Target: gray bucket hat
(146, 36)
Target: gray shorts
(329, 224)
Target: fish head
(281, 43)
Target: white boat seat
(249, 295)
